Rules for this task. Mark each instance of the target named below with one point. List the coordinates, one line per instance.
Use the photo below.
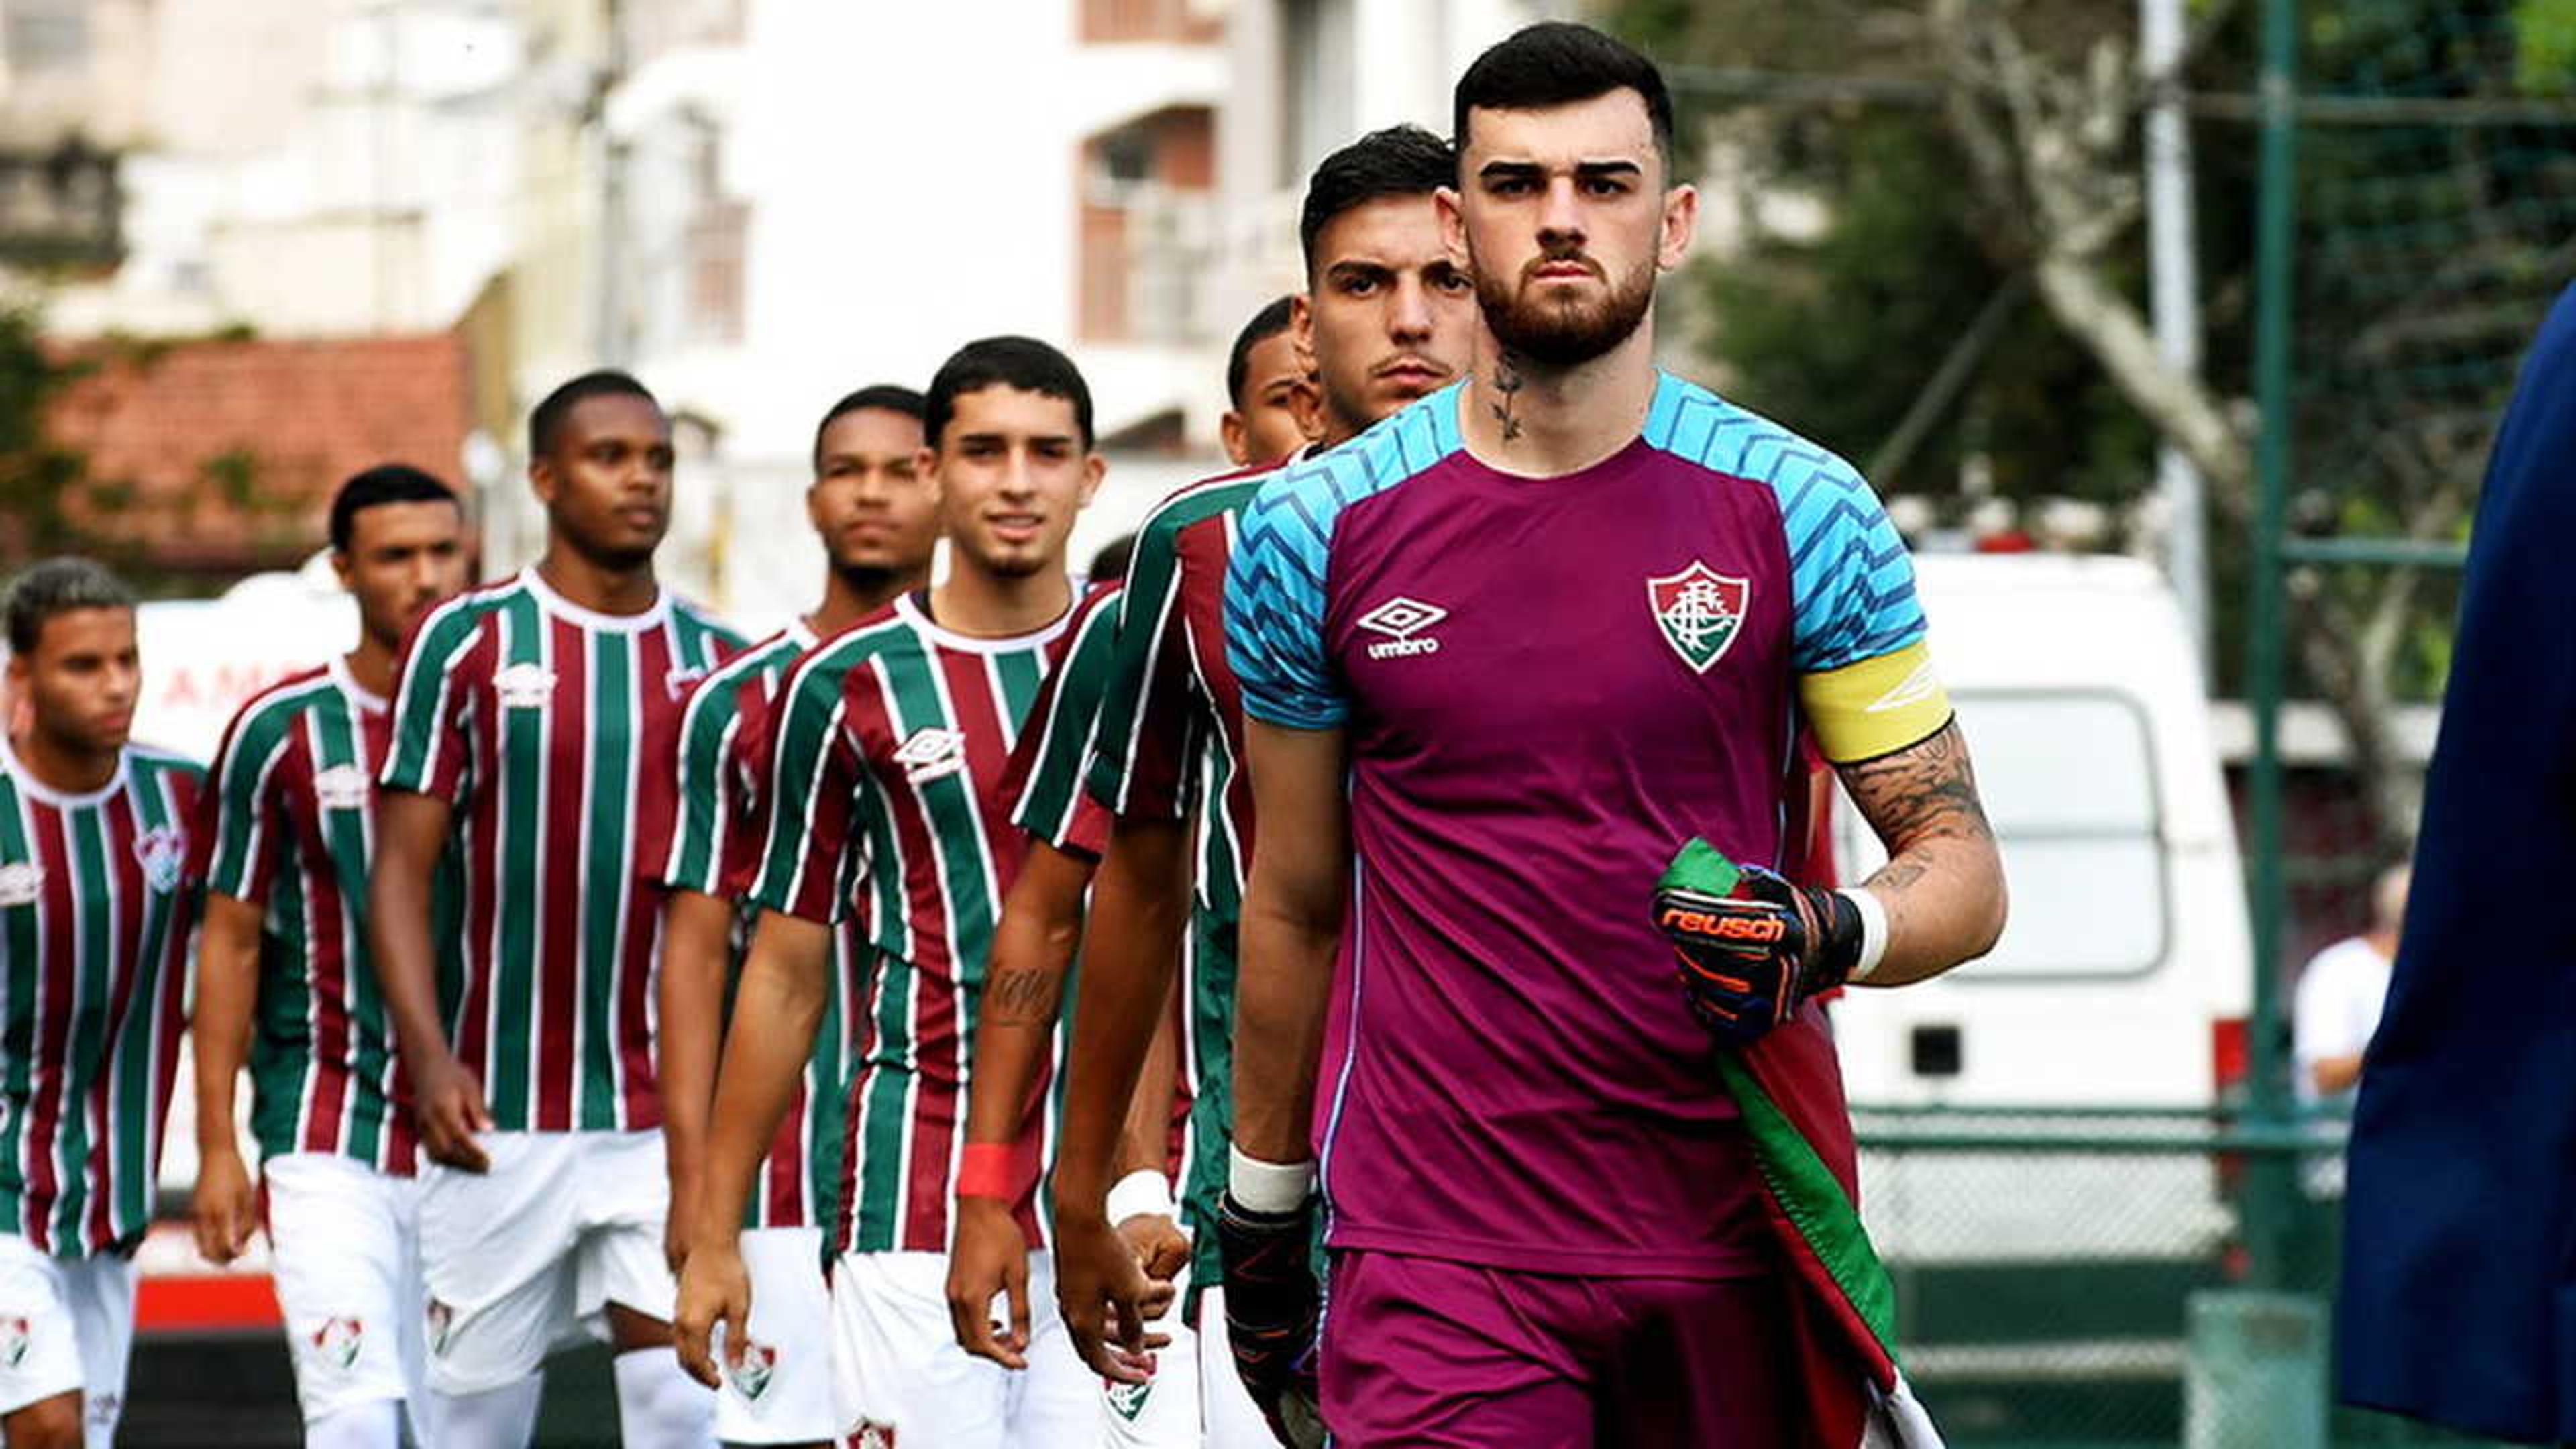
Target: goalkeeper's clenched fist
(1753, 945)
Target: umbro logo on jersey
(524, 686)
(751, 1376)
(1700, 611)
(21, 883)
(337, 1342)
(931, 753)
(341, 787)
(1400, 619)
(163, 853)
(680, 678)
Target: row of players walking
(599, 973)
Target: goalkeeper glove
(1751, 944)
(1273, 1307)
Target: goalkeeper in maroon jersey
(1501, 658)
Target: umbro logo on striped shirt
(524, 686)
(20, 884)
(930, 753)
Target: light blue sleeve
(1274, 606)
(1848, 569)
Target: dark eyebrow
(1597, 170)
(1510, 171)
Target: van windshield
(2069, 784)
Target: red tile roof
(226, 454)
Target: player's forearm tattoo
(1022, 998)
(1507, 385)
(1918, 793)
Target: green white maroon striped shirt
(551, 728)
(288, 826)
(891, 744)
(715, 848)
(96, 906)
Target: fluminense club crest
(337, 1342)
(163, 853)
(442, 1319)
(873, 1435)
(1700, 611)
(751, 1375)
(17, 1335)
(1128, 1400)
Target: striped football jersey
(1169, 746)
(551, 728)
(715, 842)
(96, 907)
(1045, 782)
(890, 745)
(287, 825)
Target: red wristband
(989, 1169)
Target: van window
(2069, 783)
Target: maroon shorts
(1422, 1352)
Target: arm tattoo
(1508, 383)
(1918, 793)
(1022, 998)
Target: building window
(1184, 22)
(1146, 228)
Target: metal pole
(2173, 272)
(2267, 1197)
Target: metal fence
(2077, 1278)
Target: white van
(2124, 976)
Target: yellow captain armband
(1867, 709)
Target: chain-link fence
(2075, 1279)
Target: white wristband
(1267, 1187)
(1142, 1193)
(1873, 930)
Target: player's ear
(341, 566)
(542, 480)
(1301, 331)
(1453, 222)
(1681, 220)
(1230, 432)
(1094, 468)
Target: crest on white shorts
(873, 1435)
(20, 883)
(752, 1373)
(338, 1340)
(17, 1335)
(442, 1318)
(1127, 1401)
(162, 852)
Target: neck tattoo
(1507, 384)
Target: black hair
(384, 483)
(1398, 161)
(1267, 323)
(1554, 63)
(58, 586)
(884, 396)
(545, 422)
(1019, 362)
(1110, 564)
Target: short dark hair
(546, 421)
(384, 483)
(1021, 362)
(58, 586)
(1398, 161)
(1554, 63)
(1267, 323)
(884, 396)
(1110, 564)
